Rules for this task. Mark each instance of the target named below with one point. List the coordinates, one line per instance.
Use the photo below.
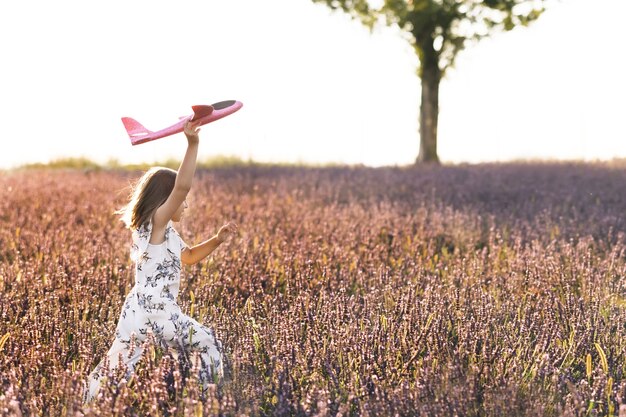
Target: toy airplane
(205, 114)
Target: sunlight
(308, 95)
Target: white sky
(316, 86)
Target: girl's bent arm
(190, 256)
(197, 253)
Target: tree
(438, 31)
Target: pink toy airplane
(205, 114)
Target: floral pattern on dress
(151, 308)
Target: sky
(317, 87)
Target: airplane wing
(201, 111)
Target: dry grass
(472, 291)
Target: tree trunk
(430, 74)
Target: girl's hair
(148, 193)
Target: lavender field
(488, 290)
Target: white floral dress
(151, 307)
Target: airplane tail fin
(135, 129)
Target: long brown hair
(148, 194)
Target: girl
(158, 250)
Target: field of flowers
(488, 290)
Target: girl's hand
(191, 130)
(229, 229)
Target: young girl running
(159, 198)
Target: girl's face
(178, 214)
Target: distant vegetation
(234, 161)
(88, 164)
(213, 162)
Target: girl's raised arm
(182, 185)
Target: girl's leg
(190, 338)
(119, 350)
(204, 342)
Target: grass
(488, 290)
